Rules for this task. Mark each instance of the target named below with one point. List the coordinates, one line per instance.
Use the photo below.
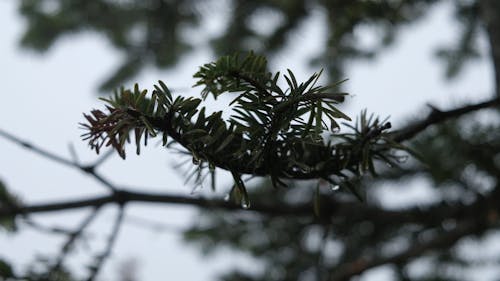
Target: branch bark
(436, 116)
(331, 210)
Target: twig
(100, 178)
(437, 116)
(124, 196)
(46, 229)
(442, 240)
(37, 150)
(101, 259)
(331, 210)
(74, 155)
(88, 169)
(66, 248)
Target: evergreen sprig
(272, 132)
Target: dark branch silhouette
(101, 258)
(437, 116)
(442, 240)
(73, 236)
(88, 169)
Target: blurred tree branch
(440, 241)
(88, 169)
(437, 116)
(102, 257)
(72, 237)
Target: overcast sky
(43, 97)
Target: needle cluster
(283, 133)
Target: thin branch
(73, 154)
(338, 97)
(331, 210)
(88, 169)
(440, 241)
(99, 178)
(37, 150)
(436, 116)
(47, 229)
(101, 259)
(66, 248)
(124, 196)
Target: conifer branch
(267, 135)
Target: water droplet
(402, 158)
(227, 197)
(335, 129)
(302, 169)
(334, 187)
(245, 205)
(306, 169)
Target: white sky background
(43, 97)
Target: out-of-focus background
(58, 56)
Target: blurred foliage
(308, 248)
(465, 48)
(33, 272)
(160, 32)
(36, 272)
(459, 158)
(5, 270)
